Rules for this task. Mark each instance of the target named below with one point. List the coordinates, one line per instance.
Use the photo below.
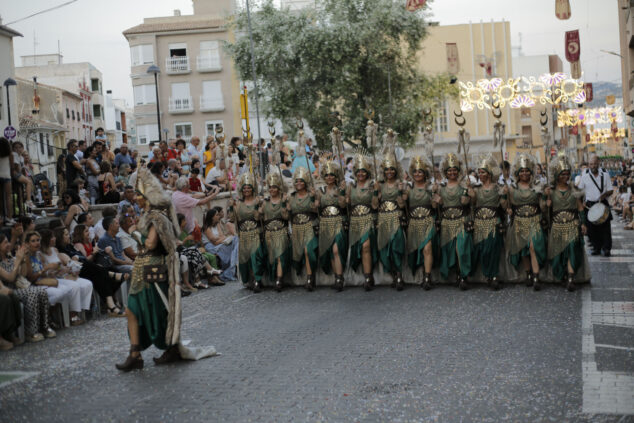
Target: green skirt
(356, 249)
(487, 253)
(539, 243)
(415, 259)
(285, 259)
(312, 248)
(458, 252)
(573, 253)
(256, 265)
(325, 260)
(392, 255)
(149, 310)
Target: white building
(7, 70)
(74, 77)
(114, 113)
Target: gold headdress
(389, 161)
(328, 166)
(524, 161)
(559, 164)
(247, 178)
(362, 162)
(274, 179)
(303, 174)
(420, 163)
(451, 160)
(488, 163)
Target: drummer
(598, 187)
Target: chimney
(177, 12)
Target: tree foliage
(337, 57)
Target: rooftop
(176, 23)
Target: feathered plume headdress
(362, 161)
(303, 174)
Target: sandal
(201, 285)
(115, 312)
(76, 321)
(119, 276)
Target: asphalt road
(438, 356)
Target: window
(73, 114)
(180, 90)
(142, 54)
(49, 148)
(67, 113)
(147, 133)
(118, 125)
(96, 110)
(211, 126)
(180, 99)
(95, 85)
(209, 58)
(178, 50)
(442, 124)
(145, 94)
(78, 116)
(212, 96)
(185, 129)
(41, 143)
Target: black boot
(570, 282)
(369, 282)
(426, 284)
(493, 283)
(278, 284)
(132, 362)
(257, 286)
(529, 278)
(462, 284)
(171, 355)
(310, 283)
(536, 284)
(339, 283)
(398, 281)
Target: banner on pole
(575, 70)
(573, 47)
(453, 62)
(562, 9)
(414, 5)
(589, 94)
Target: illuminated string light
(574, 117)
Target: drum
(598, 214)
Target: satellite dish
(399, 153)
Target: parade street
(443, 355)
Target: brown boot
(132, 362)
(170, 355)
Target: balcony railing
(176, 65)
(206, 63)
(211, 104)
(181, 105)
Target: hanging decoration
(414, 5)
(453, 62)
(521, 92)
(562, 9)
(589, 93)
(573, 47)
(574, 117)
(601, 136)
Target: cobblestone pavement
(413, 356)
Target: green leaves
(337, 57)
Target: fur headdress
(151, 189)
(451, 160)
(488, 163)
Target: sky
(91, 30)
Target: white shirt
(127, 240)
(194, 152)
(503, 181)
(213, 174)
(79, 154)
(99, 230)
(593, 192)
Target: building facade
(115, 128)
(626, 44)
(80, 78)
(72, 105)
(7, 70)
(197, 88)
(484, 52)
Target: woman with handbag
(34, 298)
(456, 243)
(302, 208)
(155, 277)
(526, 239)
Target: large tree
(339, 57)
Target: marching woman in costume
(526, 241)
(421, 230)
(487, 237)
(251, 254)
(456, 243)
(333, 241)
(363, 198)
(390, 235)
(150, 322)
(302, 208)
(275, 217)
(565, 240)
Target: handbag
(155, 273)
(102, 259)
(22, 283)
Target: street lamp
(155, 71)
(9, 83)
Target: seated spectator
(99, 229)
(185, 160)
(172, 172)
(129, 245)
(129, 199)
(224, 224)
(19, 172)
(184, 202)
(223, 245)
(33, 298)
(10, 318)
(166, 153)
(107, 186)
(123, 177)
(104, 282)
(121, 262)
(42, 273)
(217, 176)
(123, 157)
(87, 220)
(73, 208)
(194, 181)
(199, 264)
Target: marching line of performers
(495, 231)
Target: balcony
(181, 105)
(207, 63)
(177, 65)
(211, 104)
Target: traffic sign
(10, 132)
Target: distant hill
(601, 90)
